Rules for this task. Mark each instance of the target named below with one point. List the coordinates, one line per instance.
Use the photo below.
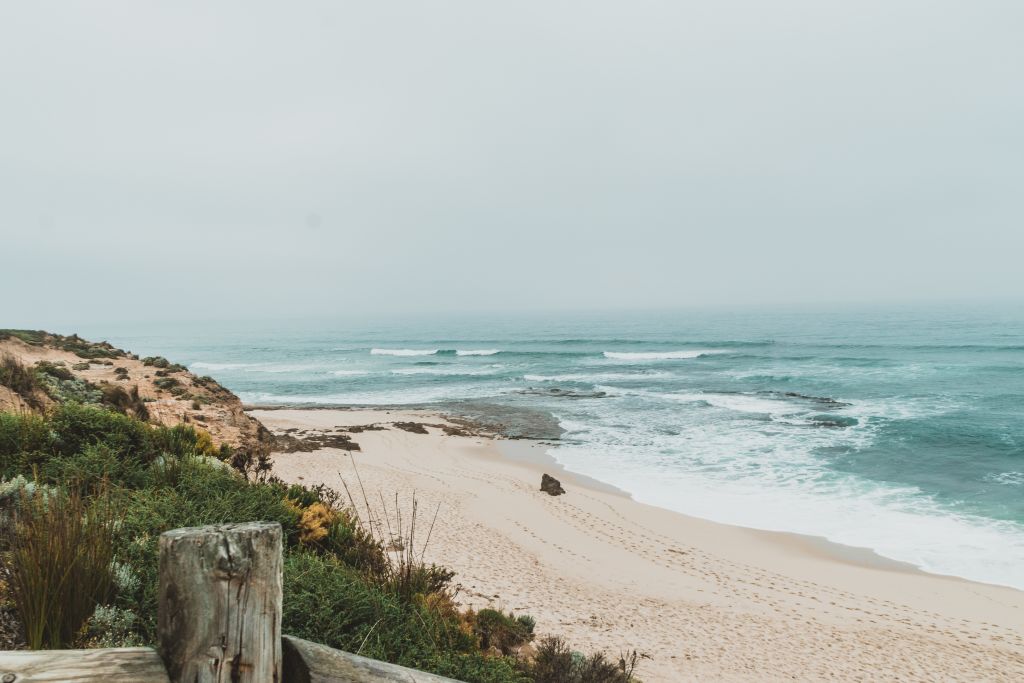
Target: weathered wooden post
(219, 615)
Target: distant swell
(403, 352)
(660, 355)
(477, 352)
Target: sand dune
(705, 601)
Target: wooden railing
(219, 621)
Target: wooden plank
(111, 665)
(306, 662)
(219, 609)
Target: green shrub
(156, 361)
(501, 631)
(64, 386)
(182, 492)
(329, 602)
(476, 667)
(348, 541)
(86, 349)
(554, 662)
(126, 402)
(71, 432)
(13, 491)
(207, 382)
(183, 439)
(25, 441)
(76, 426)
(304, 496)
(110, 627)
(166, 382)
(55, 370)
(73, 343)
(92, 468)
(30, 337)
(19, 379)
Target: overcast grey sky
(295, 157)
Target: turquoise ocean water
(899, 430)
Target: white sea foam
(661, 355)
(597, 377)
(453, 371)
(253, 367)
(476, 352)
(349, 373)
(1007, 478)
(403, 352)
(773, 478)
(742, 403)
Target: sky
(262, 159)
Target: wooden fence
(219, 622)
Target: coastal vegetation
(72, 343)
(87, 485)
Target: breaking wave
(661, 355)
(403, 352)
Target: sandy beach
(704, 601)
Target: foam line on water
(456, 371)
(403, 352)
(661, 355)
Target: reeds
(61, 563)
(405, 571)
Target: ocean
(899, 430)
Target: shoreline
(705, 600)
(532, 452)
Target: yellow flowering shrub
(315, 522)
(204, 443)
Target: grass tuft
(60, 561)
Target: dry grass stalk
(406, 571)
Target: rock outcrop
(152, 388)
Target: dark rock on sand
(551, 486)
(359, 429)
(307, 442)
(413, 427)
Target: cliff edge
(39, 369)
